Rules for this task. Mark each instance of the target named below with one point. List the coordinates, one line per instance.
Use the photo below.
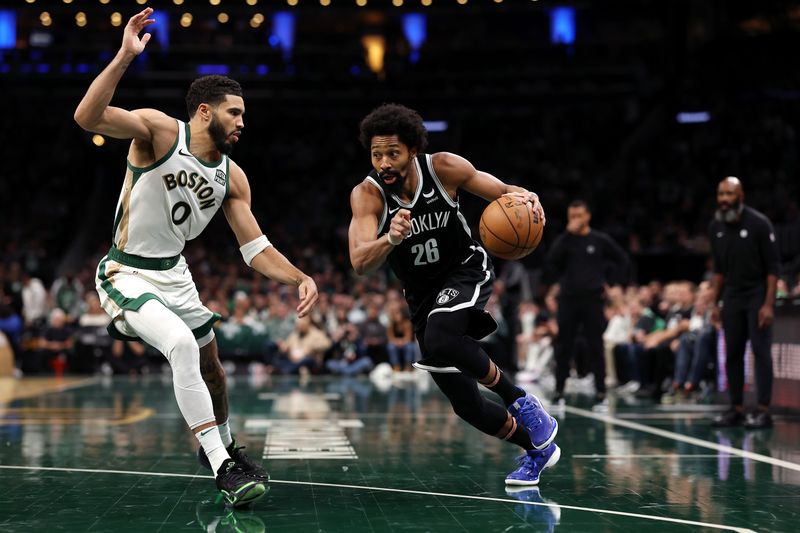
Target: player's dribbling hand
(130, 39)
(531, 199)
(307, 290)
(400, 226)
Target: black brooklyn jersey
(440, 237)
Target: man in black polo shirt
(745, 276)
(585, 261)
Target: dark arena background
(638, 108)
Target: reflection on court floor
(356, 455)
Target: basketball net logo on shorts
(446, 295)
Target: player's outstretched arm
(456, 172)
(256, 249)
(367, 250)
(94, 112)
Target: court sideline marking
(683, 438)
(401, 491)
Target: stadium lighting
(397, 3)
(67, 1)
(695, 117)
(252, 2)
(186, 20)
(462, 2)
(98, 140)
(177, 2)
(222, 18)
(30, 1)
(426, 3)
(562, 25)
(416, 31)
(291, 2)
(283, 24)
(376, 49)
(45, 19)
(116, 18)
(104, 1)
(325, 3)
(361, 3)
(214, 2)
(435, 126)
(80, 19)
(8, 28)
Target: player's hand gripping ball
(510, 228)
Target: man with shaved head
(745, 277)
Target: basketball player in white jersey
(178, 175)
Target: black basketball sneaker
(248, 465)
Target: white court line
(683, 438)
(401, 491)
(643, 456)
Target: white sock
(225, 433)
(212, 444)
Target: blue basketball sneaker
(529, 413)
(531, 465)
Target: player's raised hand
(307, 290)
(131, 42)
(400, 226)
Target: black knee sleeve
(446, 340)
(469, 404)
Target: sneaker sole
(550, 439)
(550, 462)
(254, 493)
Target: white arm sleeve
(253, 248)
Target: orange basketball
(509, 230)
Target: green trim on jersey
(202, 162)
(117, 220)
(148, 168)
(136, 175)
(203, 330)
(122, 301)
(227, 177)
(147, 263)
(134, 178)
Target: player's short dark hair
(395, 119)
(210, 90)
(579, 203)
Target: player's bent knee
(181, 349)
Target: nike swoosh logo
(428, 194)
(467, 259)
(392, 211)
(180, 151)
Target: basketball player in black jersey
(406, 212)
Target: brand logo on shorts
(220, 177)
(446, 295)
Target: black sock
(521, 438)
(497, 382)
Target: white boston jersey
(169, 202)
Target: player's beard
(397, 186)
(218, 136)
